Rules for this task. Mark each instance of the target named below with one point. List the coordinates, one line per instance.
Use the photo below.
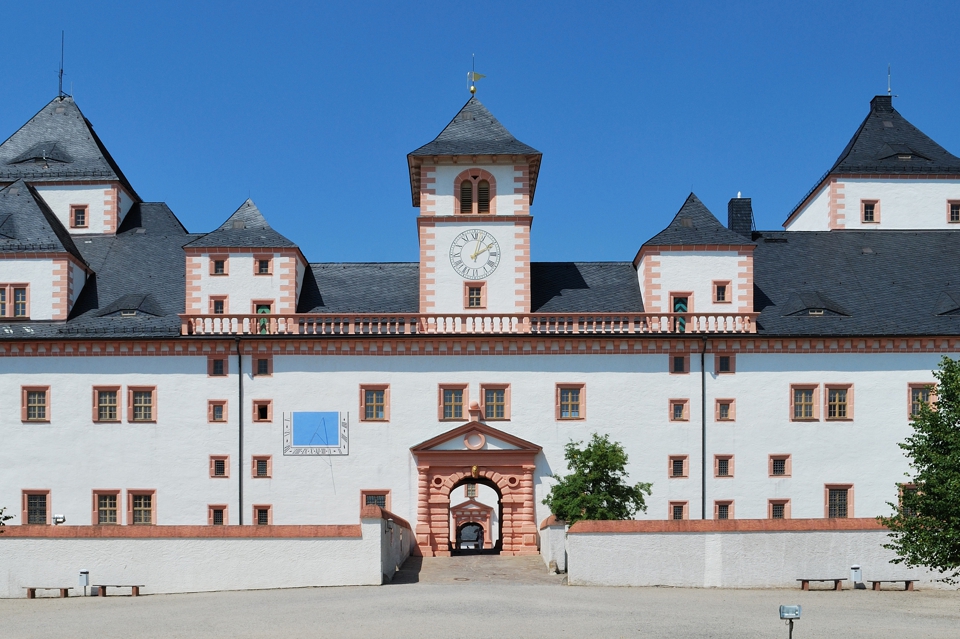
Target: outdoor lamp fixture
(790, 613)
(59, 519)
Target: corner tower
(474, 185)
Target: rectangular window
(375, 497)
(20, 302)
(725, 364)
(496, 401)
(263, 266)
(219, 466)
(262, 515)
(778, 509)
(725, 410)
(470, 490)
(678, 466)
(953, 212)
(722, 292)
(218, 266)
(571, 401)
(35, 404)
(142, 406)
(219, 306)
(870, 211)
(679, 364)
(217, 365)
(262, 410)
(106, 404)
(263, 366)
(920, 395)
(36, 508)
(15, 301)
(679, 410)
(78, 216)
(217, 515)
(723, 465)
(375, 402)
(452, 400)
(107, 508)
(680, 304)
(141, 508)
(262, 467)
(839, 401)
(217, 410)
(779, 466)
(803, 402)
(723, 510)
(678, 510)
(473, 297)
(3, 301)
(837, 503)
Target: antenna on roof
(60, 92)
(473, 76)
(889, 90)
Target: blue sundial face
(475, 254)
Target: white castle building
(154, 376)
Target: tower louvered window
(466, 196)
(483, 196)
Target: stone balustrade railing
(469, 324)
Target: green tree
(925, 527)
(596, 488)
(4, 517)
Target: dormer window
(78, 217)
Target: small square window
(953, 212)
(470, 490)
(372, 497)
(679, 364)
(780, 466)
(142, 404)
(803, 402)
(262, 515)
(571, 401)
(678, 466)
(262, 467)
(218, 267)
(375, 402)
(263, 366)
(678, 510)
(679, 410)
(218, 306)
(725, 364)
(722, 292)
(262, 410)
(725, 410)
(839, 401)
(217, 365)
(106, 508)
(217, 515)
(474, 295)
(870, 211)
(141, 508)
(723, 466)
(78, 217)
(778, 509)
(723, 510)
(217, 410)
(263, 266)
(107, 404)
(219, 466)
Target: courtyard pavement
(486, 596)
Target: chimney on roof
(882, 104)
(740, 216)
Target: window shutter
(466, 196)
(483, 196)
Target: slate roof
(27, 225)
(58, 144)
(576, 287)
(246, 228)
(868, 282)
(694, 224)
(474, 131)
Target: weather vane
(473, 76)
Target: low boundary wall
(172, 559)
(739, 553)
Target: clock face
(475, 254)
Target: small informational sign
(316, 433)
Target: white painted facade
(507, 179)
(38, 274)
(694, 274)
(242, 287)
(96, 198)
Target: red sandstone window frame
(363, 402)
(731, 411)
(212, 507)
(784, 502)
(849, 402)
(816, 402)
(376, 492)
(482, 285)
(107, 492)
(226, 466)
(728, 298)
(465, 404)
(787, 465)
(24, 508)
(876, 211)
(685, 412)
(96, 404)
(131, 408)
(950, 205)
(582, 401)
(211, 405)
(683, 504)
(255, 364)
(264, 302)
(141, 492)
(256, 520)
(256, 410)
(474, 176)
(253, 466)
(256, 265)
(932, 396)
(506, 401)
(732, 361)
(225, 258)
(826, 499)
(226, 364)
(716, 466)
(686, 363)
(723, 502)
(686, 466)
(73, 216)
(8, 307)
(24, 408)
(213, 304)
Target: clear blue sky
(311, 108)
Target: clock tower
(474, 185)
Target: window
(678, 510)
(263, 265)
(474, 295)
(953, 211)
(142, 404)
(106, 404)
(870, 211)
(678, 466)
(78, 216)
(378, 497)
(496, 401)
(36, 507)
(262, 515)
(920, 395)
(725, 364)
(15, 301)
(908, 493)
(679, 410)
(839, 401)
(220, 466)
(262, 467)
(217, 410)
(723, 510)
(483, 196)
(679, 364)
(803, 402)
(778, 509)
(217, 515)
(262, 410)
(263, 365)
(217, 365)
(35, 404)
(466, 196)
(571, 401)
(140, 508)
(218, 266)
(725, 410)
(681, 303)
(375, 402)
(722, 293)
(105, 507)
(452, 400)
(723, 465)
(470, 490)
(218, 305)
(839, 501)
(779, 466)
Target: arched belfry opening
(476, 454)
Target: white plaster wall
(241, 284)
(553, 547)
(396, 542)
(507, 179)
(815, 216)
(168, 565)
(59, 197)
(695, 272)
(731, 560)
(501, 285)
(38, 273)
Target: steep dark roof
(246, 228)
(694, 224)
(389, 287)
(577, 287)
(868, 282)
(27, 225)
(474, 131)
(58, 144)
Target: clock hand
(479, 251)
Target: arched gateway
(476, 451)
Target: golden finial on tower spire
(473, 76)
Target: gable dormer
(243, 267)
(59, 154)
(889, 176)
(697, 265)
(41, 270)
